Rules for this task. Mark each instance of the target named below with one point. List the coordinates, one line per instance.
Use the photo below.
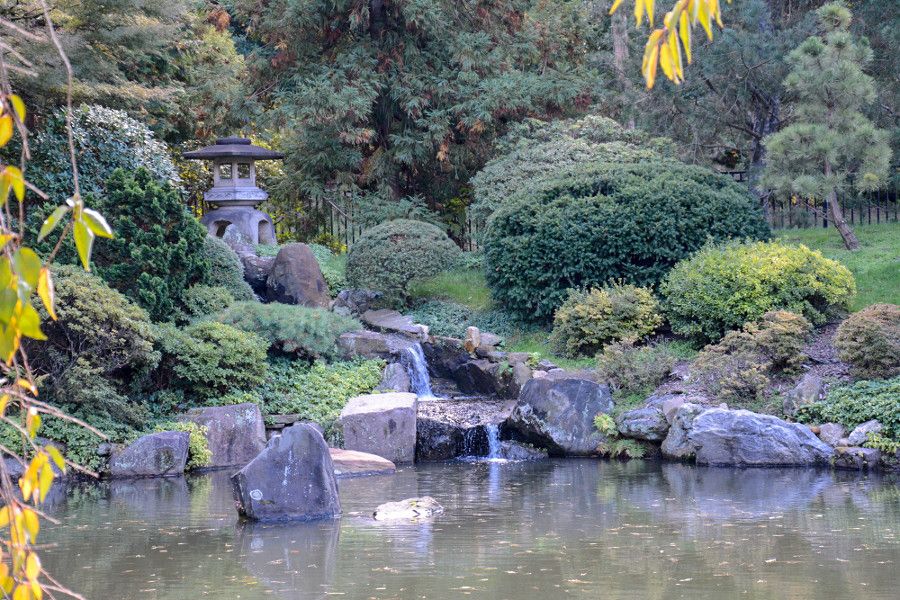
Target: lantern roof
(233, 147)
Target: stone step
(350, 463)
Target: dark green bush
(388, 256)
(739, 368)
(855, 404)
(605, 222)
(590, 319)
(210, 359)
(225, 269)
(201, 300)
(722, 287)
(98, 349)
(534, 151)
(870, 341)
(291, 329)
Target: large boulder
(381, 424)
(557, 412)
(292, 479)
(355, 302)
(155, 455)
(677, 445)
(855, 459)
(832, 433)
(478, 376)
(719, 436)
(350, 463)
(236, 433)
(296, 278)
(372, 344)
(646, 423)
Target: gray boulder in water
(645, 423)
(411, 509)
(236, 433)
(292, 479)
(381, 424)
(742, 438)
(558, 413)
(156, 455)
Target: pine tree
(829, 143)
(405, 97)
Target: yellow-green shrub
(720, 288)
(590, 319)
(870, 341)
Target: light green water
(518, 531)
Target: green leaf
(30, 323)
(28, 265)
(8, 300)
(97, 223)
(52, 221)
(84, 242)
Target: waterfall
(493, 437)
(413, 358)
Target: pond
(554, 529)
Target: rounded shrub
(225, 269)
(209, 358)
(722, 287)
(604, 222)
(590, 319)
(289, 328)
(99, 346)
(870, 341)
(388, 256)
(201, 300)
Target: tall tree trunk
(619, 30)
(837, 215)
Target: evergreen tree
(405, 97)
(829, 142)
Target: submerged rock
(296, 278)
(236, 433)
(557, 412)
(292, 479)
(381, 424)
(720, 436)
(411, 509)
(155, 455)
(517, 451)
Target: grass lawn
(876, 265)
(462, 286)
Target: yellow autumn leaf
(32, 523)
(47, 292)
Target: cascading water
(493, 439)
(413, 358)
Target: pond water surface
(519, 531)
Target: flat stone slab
(381, 424)
(391, 321)
(351, 463)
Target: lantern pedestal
(254, 225)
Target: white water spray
(413, 358)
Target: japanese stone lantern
(234, 193)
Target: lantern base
(254, 225)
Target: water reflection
(554, 529)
